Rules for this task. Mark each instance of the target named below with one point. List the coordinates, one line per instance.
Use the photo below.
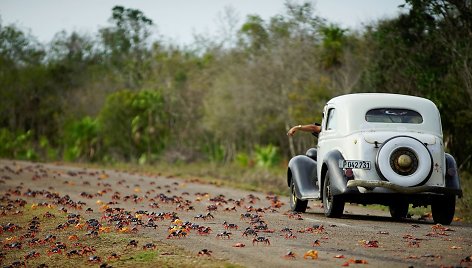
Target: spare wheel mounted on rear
(405, 161)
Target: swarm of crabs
(158, 211)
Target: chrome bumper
(403, 189)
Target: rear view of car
(378, 148)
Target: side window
(331, 120)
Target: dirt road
(362, 235)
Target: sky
(177, 21)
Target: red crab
(54, 250)
(229, 226)
(260, 239)
(149, 246)
(467, 259)
(223, 235)
(32, 255)
(249, 231)
(290, 236)
(16, 245)
(94, 259)
(87, 250)
(205, 252)
(414, 243)
(370, 243)
(132, 243)
(289, 255)
(113, 256)
(204, 230)
(73, 252)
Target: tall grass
(251, 178)
(464, 204)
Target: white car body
(355, 138)
(377, 148)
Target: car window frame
(330, 117)
(390, 118)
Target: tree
(133, 125)
(333, 46)
(427, 52)
(126, 44)
(269, 83)
(253, 33)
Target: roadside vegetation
(220, 107)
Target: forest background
(117, 96)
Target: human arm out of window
(312, 128)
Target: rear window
(395, 115)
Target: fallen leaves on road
(311, 253)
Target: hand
(292, 131)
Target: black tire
(443, 209)
(399, 210)
(333, 205)
(296, 204)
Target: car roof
(355, 106)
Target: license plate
(354, 164)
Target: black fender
(336, 174)
(452, 174)
(312, 153)
(302, 171)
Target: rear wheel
(399, 210)
(443, 209)
(333, 205)
(296, 204)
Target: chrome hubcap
(328, 196)
(294, 197)
(404, 161)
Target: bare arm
(306, 128)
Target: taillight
(348, 173)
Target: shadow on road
(375, 218)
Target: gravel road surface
(362, 235)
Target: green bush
(134, 125)
(81, 140)
(214, 152)
(17, 145)
(243, 159)
(267, 156)
(47, 150)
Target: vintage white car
(377, 148)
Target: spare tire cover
(419, 165)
